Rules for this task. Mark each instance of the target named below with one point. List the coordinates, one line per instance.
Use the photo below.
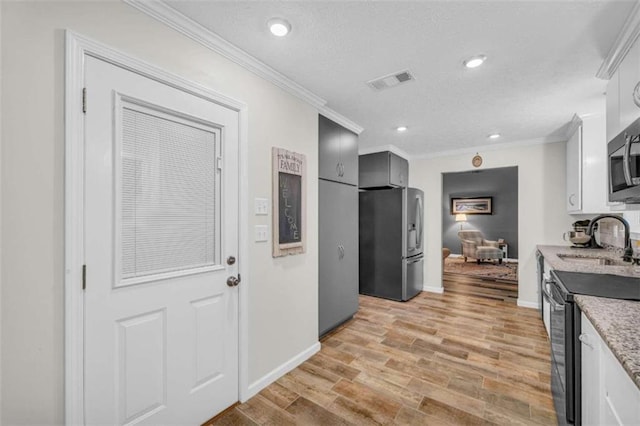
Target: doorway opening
(480, 233)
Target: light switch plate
(262, 233)
(261, 206)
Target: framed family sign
(289, 202)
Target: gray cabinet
(338, 254)
(338, 152)
(382, 170)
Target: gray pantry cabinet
(338, 155)
(338, 254)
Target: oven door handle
(545, 289)
(549, 295)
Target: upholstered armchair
(476, 247)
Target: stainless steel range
(566, 327)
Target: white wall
(283, 292)
(542, 217)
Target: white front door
(161, 220)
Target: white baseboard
(433, 289)
(526, 304)
(280, 371)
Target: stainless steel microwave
(624, 165)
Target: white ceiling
(541, 66)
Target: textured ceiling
(541, 66)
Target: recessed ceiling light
(279, 27)
(494, 136)
(401, 128)
(474, 61)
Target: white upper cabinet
(586, 166)
(574, 171)
(629, 77)
(621, 108)
(613, 107)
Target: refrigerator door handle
(419, 222)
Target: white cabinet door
(609, 396)
(621, 395)
(586, 166)
(574, 172)
(613, 107)
(594, 185)
(590, 370)
(629, 72)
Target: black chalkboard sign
(289, 202)
(289, 208)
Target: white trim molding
(527, 304)
(280, 371)
(627, 36)
(575, 122)
(433, 289)
(164, 13)
(78, 48)
(340, 119)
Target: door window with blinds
(167, 194)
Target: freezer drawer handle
(415, 261)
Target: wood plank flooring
(447, 359)
(492, 288)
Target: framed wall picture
(471, 205)
(289, 202)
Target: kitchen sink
(591, 260)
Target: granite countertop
(553, 255)
(617, 322)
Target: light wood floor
(491, 288)
(437, 359)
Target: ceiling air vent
(390, 80)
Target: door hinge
(219, 165)
(84, 277)
(84, 100)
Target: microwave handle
(626, 165)
(630, 180)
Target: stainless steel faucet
(628, 251)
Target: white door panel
(161, 216)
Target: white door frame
(77, 48)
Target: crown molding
(627, 36)
(340, 119)
(575, 122)
(164, 13)
(485, 148)
(382, 148)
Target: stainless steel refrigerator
(391, 242)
